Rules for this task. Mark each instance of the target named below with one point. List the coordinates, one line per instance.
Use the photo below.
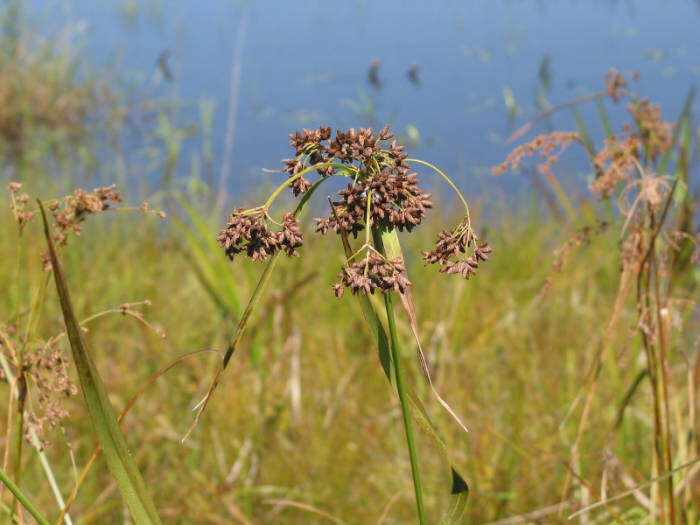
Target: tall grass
(580, 397)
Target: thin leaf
(583, 131)
(604, 118)
(685, 114)
(22, 498)
(104, 420)
(245, 318)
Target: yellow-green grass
(510, 363)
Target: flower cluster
(550, 147)
(394, 198)
(248, 231)
(48, 371)
(615, 163)
(654, 133)
(72, 210)
(615, 84)
(19, 203)
(382, 193)
(450, 245)
(374, 272)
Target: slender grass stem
(4, 478)
(405, 410)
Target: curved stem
(449, 181)
(297, 176)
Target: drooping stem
(403, 399)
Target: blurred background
(454, 79)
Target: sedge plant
(382, 197)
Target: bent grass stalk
(245, 316)
(119, 461)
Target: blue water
(305, 63)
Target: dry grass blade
(635, 489)
(304, 506)
(131, 403)
(104, 421)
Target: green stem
(447, 179)
(401, 388)
(22, 498)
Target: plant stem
(4, 478)
(400, 387)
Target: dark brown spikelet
(248, 232)
(290, 238)
(373, 273)
(396, 200)
(450, 245)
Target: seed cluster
(615, 162)
(450, 245)
(249, 232)
(615, 84)
(655, 134)
(48, 371)
(550, 148)
(372, 273)
(382, 193)
(71, 211)
(19, 203)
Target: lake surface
(305, 63)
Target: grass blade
(22, 498)
(104, 420)
(245, 318)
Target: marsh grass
(303, 428)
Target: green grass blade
(245, 316)
(200, 242)
(22, 498)
(604, 118)
(583, 131)
(104, 420)
(685, 114)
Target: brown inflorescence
(450, 245)
(18, 206)
(72, 210)
(374, 272)
(615, 163)
(248, 232)
(615, 84)
(383, 194)
(45, 377)
(655, 134)
(550, 147)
